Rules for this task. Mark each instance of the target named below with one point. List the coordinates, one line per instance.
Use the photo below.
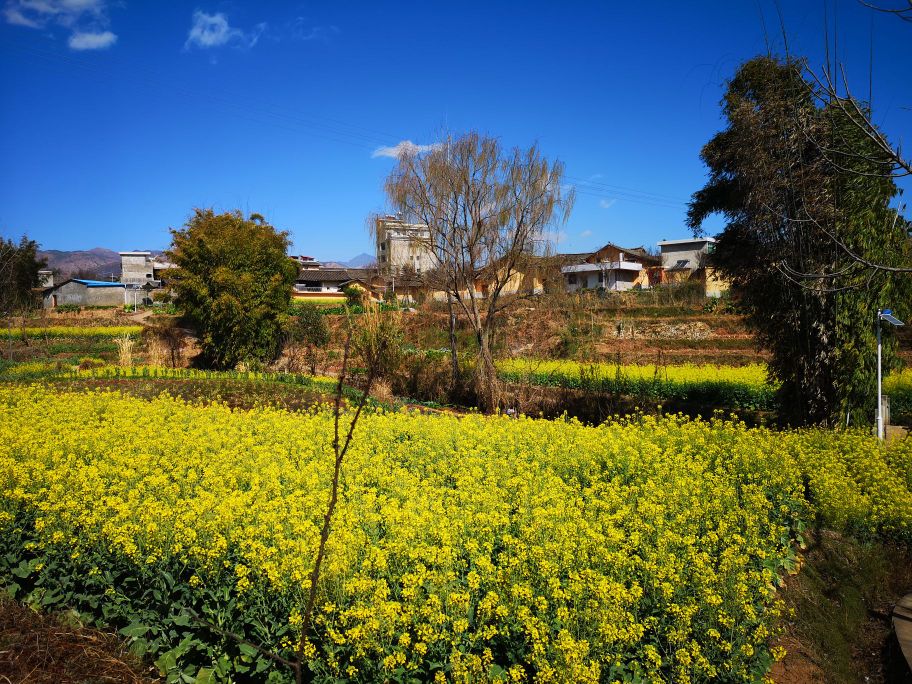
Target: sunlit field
(464, 547)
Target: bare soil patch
(840, 629)
(37, 648)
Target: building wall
(46, 278)
(307, 285)
(136, 269)
(304, 296)
(621, 280)
(581, 281)
(403, 246)
(77, 294)
(715, 285)
(607, 253)
(693, 252)
(617, 279)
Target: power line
(610, 187)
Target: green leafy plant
(233, 280)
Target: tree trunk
(454, 358)
(486, 385)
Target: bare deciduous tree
(487, 210)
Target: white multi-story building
(403, 246)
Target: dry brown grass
(125, 345)
(37, 648)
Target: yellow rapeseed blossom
(551, 550)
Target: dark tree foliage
(234, 280)
(307, 334)
(19, 266)
(787, 206)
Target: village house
(141, 268)
(318, 281)
(81, 292)
(611, 268)
(45, 278)
(687, 260)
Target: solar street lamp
(882, 315)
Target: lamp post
(882, 315)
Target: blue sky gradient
(119, 117)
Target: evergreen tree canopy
(234, 280)
(19, 266)
(794, 179)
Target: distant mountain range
(96, 263)
(360, 261)
(103, 263)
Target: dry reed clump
(124, 350)
(157, 352)
(165, 346)
(382, 391)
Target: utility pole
(882, 315)
(880, 425)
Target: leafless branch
(339, 450)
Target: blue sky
(119, 117)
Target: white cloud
(14, 16)
(585, 233)
(405, 146)
(91, 41)
(607, 203)
(87, 20)
(213, 30)
(300, 30)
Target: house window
(148, 275)
(571, 279)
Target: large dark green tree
(798, 184)
(19, 267)
(234, 280)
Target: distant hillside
(99, 262)
(361, 261)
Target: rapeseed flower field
(73, 331)
(743, 387)
(739, 387)
(753, 375)
(464, 549)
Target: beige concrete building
(685, 260)
(139, 268)
(46, 278)
(685, 255)
(403, 247)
